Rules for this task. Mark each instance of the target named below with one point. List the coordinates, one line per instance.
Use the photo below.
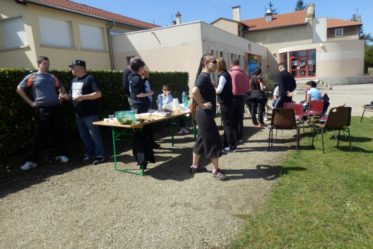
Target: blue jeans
(91, 136)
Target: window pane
(91, 37)
(55, 32)
(13, 34)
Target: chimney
(178, 18)
(310, 15)
(268, 16)
(236, 13)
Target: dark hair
(205, 57)
(165, 86)
(235, 62)
(311, 83)
(136, 64)
(41, 59)
(258, 71)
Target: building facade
(60, 29)
(180, 47)
(310, 47)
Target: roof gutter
(76, 12)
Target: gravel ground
(87, 206)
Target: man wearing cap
(85, 93)
(48, 114)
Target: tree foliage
(300, 5)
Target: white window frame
(20, 35)
(92, 31)
(56, 36)
(338, 32)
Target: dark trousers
(257, 106)
(49, 119)
(142, 141)
(281, 100)
(208, 139)
(238, 105)
(227, 118)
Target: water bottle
(184, 97)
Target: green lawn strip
(328, 204)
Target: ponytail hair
(205, 57)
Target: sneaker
(229, 149)
(199, 169)
(63, 159)
(218, 175)
(98, 160)
(28, 165)
(185, 130)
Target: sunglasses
(165, 89)
(214, 62)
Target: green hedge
(17, 118)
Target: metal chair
(339, 119)
(282, 119)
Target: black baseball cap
(77, 63)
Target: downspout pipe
(110, 41)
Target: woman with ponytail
(208, 140)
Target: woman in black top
(142, 142)
(225, 97)
(208, 140)
(257, 98)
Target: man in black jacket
(286, 85)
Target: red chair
(315, 107)
(298, 109)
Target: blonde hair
(221, 65)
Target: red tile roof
(292, 19)
(94, 12)
(278, 21)
(335, 23)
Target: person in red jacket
(240, 86)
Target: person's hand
(34, 105)
(150, 93)
(63, 97)
(78, 99)
(207, 105)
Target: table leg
(114, 147)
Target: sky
(162, 12)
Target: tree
(300, 5)
(270, 7)
(368, 56)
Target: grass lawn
(320, 200)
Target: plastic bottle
(184, 97)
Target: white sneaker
(28, 165)
(185, 130)
(63, 159)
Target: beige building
(60, 29)
(180, 47)
(322, 48)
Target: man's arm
(24, 96)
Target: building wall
(335, 59)
(276, 39)
(59, 57)
(349, 33)
(179, 48)
(228, 26)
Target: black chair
(283, 119)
